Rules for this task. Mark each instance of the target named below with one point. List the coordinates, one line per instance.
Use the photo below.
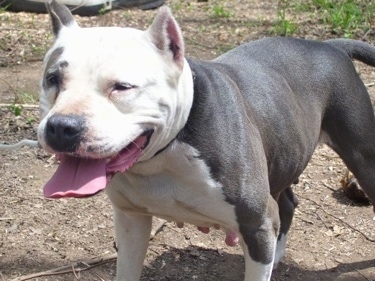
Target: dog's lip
(83, 177)
(120, 162)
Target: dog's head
(110, 97)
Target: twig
(27, 142)
(305, 221)
(322, 220)
(7, 28)
(370, 84)
(80, 266)
(10, 87)
(350, 226)
(329, 187)
(341, 220)
(364, 277)
(6, 219)
(19, 104)
(367, 33)
(74, 272)
(75, 268)
(97, 275)
(34, 59)
(157, 229)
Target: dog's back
(293, 90)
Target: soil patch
(331, 238)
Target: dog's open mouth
(82, 177)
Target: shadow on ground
(204, 265)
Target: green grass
(16, 109)
(176, 6)
(3, 9)
(223, 48)
(346, 17)
(283, 26)
(219, 11)
(341, 17)
(22, 97)
(27, 97)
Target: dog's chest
(175, 185)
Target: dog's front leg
(259, 243)
(132, 237)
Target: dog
(212, 143)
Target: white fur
(280, 249)
(133, 234)
(174, 180)
(255, 271)
(159, 101)
(175, 185)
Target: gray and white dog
(212, 143)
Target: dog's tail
(355, 49)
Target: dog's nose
(64, 132)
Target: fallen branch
(157, 229)
(75, 268)
(80, 266)
(341, 220)
(304, 220)
(364, 277)
(19, 104)
(24, 142)
(329, 187)
(10, 87)
(6, 219)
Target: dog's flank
(213, 143)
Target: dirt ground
(332, 238)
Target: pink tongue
(77, 177)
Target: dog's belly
(176, 186)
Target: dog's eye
(122, 86)
(52, 80)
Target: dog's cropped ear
(166, 35)
(60, 16)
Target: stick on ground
(75, 267)
(80, 266)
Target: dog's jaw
(82, 177)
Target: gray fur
(272, 100)
(355, 49)
(50, 67)
(60, 16)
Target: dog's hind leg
(349, 123)
(259, 244)
(287, 203)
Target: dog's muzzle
(79, 176)
(64, 133)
